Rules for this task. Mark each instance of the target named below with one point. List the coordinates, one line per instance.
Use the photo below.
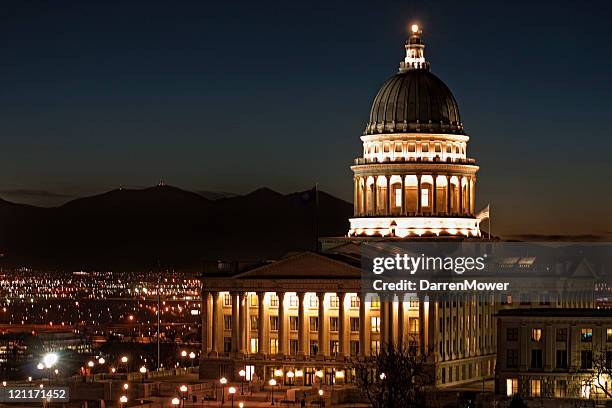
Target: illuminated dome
(414, 100)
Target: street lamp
(183, 390)
(272, 383)
(192, 357)
(320, 398)
(241, 404)
(40, 366)
(223, 381)
(126, 386)
(124, 360)
(90, 364)
(50, 359)
(175, 402)
(290, 375)
(232, 391)
(143, 372)
(242, 374)
(123, 400)
(101, 360)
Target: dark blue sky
(236, 95)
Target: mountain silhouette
(128, 229)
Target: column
(383, 329)
(302, 325)
(342, 324)
(549, 347)
(435, 194)
(470, 195)
(403, 195)
(356, 195)
(418, 192)
(460, 195)
(243, 332)
(281, 323)
(322, 325)
(388, 201)
(391, 320)
(215, 323)
(448, 195)
(364, 198)
(400, 320)
(205, 322)
(374, 194)
(262, 338)
(235, 322)
(363, 326)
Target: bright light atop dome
(414, 28)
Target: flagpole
(316, 217)
(489, 222)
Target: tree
(397, 376)
(602, 371)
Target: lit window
(254, 346)
(273, 346)
(293, 301)
(424, 197)
(253, 300)
(354, 301)
(374, 302)
(609, 334)
(227, 299)
(511, 386)
(334, 301)
(586, 335)
(536, 334)
(585, 390)
(425, 147)
(398, 197)
(274, 300)
(375, 347)
(536, 388)
(375, 324)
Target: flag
(484, 213)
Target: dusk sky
(232, 96)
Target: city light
(101, 360)
(50, 359)
(143, 370)
(123, 399)
(183, 388)
(40, 366)
(175, 401)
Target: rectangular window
(314, 323)
(293, 347)
(560, 388)
(586, 359)
(227, 344)
(293, 323)
(425, 147)
(561, 335)
(536, 388)
(512, 334)
(411, 147)
(253, 300)
(354, 324)
(398, 197)
(424, 197)
(254, 346)
(273, 323)
(314, 347)
(293, 301)
(334, 347)
(254, 322)
(375, 321)
(354, 345)
(227, 299)
(273, 300)
(536, 334)
(273, 346)
(512, 358)
(413, 326)
(511, 386)
(333, 324)
(375, 347)
(561, 359)
(314, 301)
(586, 335)
(334, 301)
(354, 302)
(375, 302)
(609, 334)
(227, 322)
(536, 358)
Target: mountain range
(129, 229)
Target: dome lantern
(415, 51)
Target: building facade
(554, 353)
(303, 318)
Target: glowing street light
(272, 383)
(192, 356)
(184, 353)
(40, 366)
(123, 400)
(90, 364)
(50, 359)
(223, 381)
(320, 398)
(241, 404)
(126, 386)
(143, 371)
(175, 402)
(242, 374)
(124, 359)
(382, 376)
(101, 360)
(232, 391)
(183, 390)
